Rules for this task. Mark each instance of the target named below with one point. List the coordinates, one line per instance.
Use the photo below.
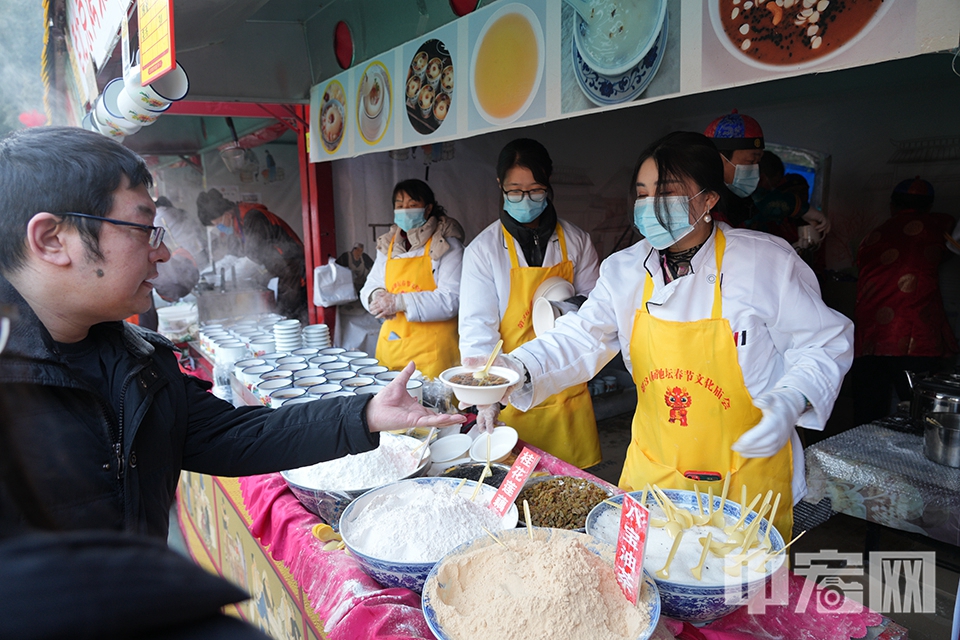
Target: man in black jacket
(105, 420)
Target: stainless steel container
(941, 437)
(933, 394)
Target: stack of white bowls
(286, 335)
(316, 336)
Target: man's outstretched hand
(393, 408)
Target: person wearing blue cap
(899, 315)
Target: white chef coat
(486, 280)
(785, 334)
(423, 306)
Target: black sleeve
(226, 441)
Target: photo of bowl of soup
(620, 34)
(374, 102)
(795, 35)
(507, 64)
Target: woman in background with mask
(724, 333)
(502, 269)
(414, 284)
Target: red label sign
(630, 544)
(525, 464)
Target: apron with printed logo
(434, 346)
(692, 405)
(563, 424)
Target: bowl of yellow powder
(560, 584)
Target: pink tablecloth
(352, 605)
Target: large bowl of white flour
(327, 488)
(399, 531)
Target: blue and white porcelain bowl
(434, 589)
(702, 602)
(329, 503)
(409, 575)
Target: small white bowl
(502, 442)
(451, 447)
(480, 395)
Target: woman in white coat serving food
(723, 330)
(414, 284)
(502, 269)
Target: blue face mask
(526, 210)
(408, 219)
(226, 230)
(746, 177)
(676, 212)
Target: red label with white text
(525, 464)
(630, 544)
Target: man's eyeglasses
(155, 233)
(516, 195)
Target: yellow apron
(692, 405)
(434, 346)
(563, 424)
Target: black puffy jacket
(100, 467)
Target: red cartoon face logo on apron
(678, 400)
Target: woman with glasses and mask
(502, 269)
(414, 284)
(723, 330)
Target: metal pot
(933, 394)
(941, 437)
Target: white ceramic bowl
(436, 589)
(394, 573)
(502, 442)
(480, 395)
(701, 602)
(554, 288)
(451, 447)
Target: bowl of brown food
(562, 502)
(470, 389)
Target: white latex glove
(781, 409)
(488, 414)
(387, 305)
(818, 221)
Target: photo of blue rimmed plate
(608, 90)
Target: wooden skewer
(526, 516)
(697, 571)
(495, 538)
(664, 573)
